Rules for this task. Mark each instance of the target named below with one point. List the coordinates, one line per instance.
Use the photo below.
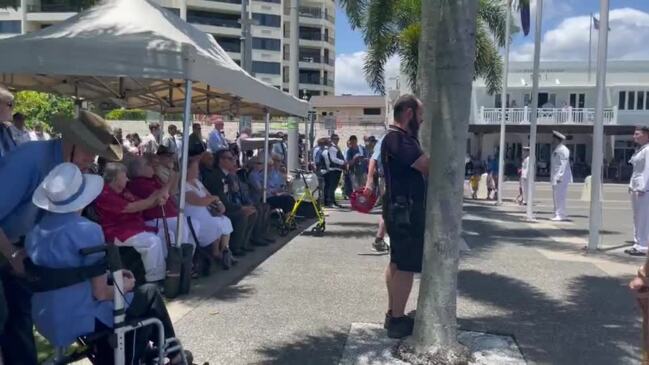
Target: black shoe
(400, 327)
(338, 205)
(388, 316)
(259, 243)
(237, 253)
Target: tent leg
(184, 161)
(266, 153)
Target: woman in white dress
(207, 209)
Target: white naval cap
(559, 135)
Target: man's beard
(413, 126)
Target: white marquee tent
(136, 54)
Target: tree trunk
(446, 59)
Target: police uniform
(560, 177)
(638, 186)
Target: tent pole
(185, 156)
(266, 131)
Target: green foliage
(126, 114)
(393, 27)
(39, 108)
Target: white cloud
(350, 78)
(569, 40)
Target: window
(621, 102)
(268, 44)
(498, 101)
(10, 26)
(646, 98)
(631, 97)
(229, 44)
(272, 68)
(215, 19)
(372, 111)
(640, 104)
(577, 100)
(268, 20)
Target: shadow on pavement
(351, 233)
(355, 224)
(597, 324)
(314, 349)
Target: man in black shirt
(406, 169)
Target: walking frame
(289, 222)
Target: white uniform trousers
(560, 194)
(524, 188)
(640, 205)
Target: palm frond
(409, 52)
(488, 63)
(494, 15)
(355, 10)
(407, 12)
(378, 54)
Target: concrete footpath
(521, 279)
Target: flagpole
(595, 219)
(534, 100)
(590, 43)
(504, 106)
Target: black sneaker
(400, 327)
(388, 316)
(379, 245)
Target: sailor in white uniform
(560, 176)
(525, 173)
(638, 188)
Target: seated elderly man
(121, 217)
(277, 193)
(62, 315)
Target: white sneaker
(558, 219)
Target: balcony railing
(310, 59)
(54, 7)
(567, 115)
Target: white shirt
(525, 168)
(149, 145)
(170, 142)
(560, 172)
(640, 176)
(43, 136)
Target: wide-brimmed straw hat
(66, 190)
(91, 132)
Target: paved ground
(528, 280)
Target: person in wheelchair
(86, 307)
(143, 183)
(121, 217)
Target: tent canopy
(136, 54)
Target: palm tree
(392, 27)
(448, 47)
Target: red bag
(363, 201)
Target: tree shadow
(324, 347)
(597, 324)
(354, 224)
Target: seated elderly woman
(143, 183)
(277, 193)
(62, 315)
(208, 211)
(120, 215)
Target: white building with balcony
(566, 103)
(222, 18)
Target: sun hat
(559, 135)
(66, 190)
(91, 132)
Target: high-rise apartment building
(270, 30)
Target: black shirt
(399, 151)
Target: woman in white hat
(55, 242)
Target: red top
(143, 187)
(116, 224)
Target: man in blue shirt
(83, 139)
(216, 140)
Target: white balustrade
(567, 115)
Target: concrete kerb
(205, 288)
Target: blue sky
(565, 37)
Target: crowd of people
(92, 186)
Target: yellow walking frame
(306, 196)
